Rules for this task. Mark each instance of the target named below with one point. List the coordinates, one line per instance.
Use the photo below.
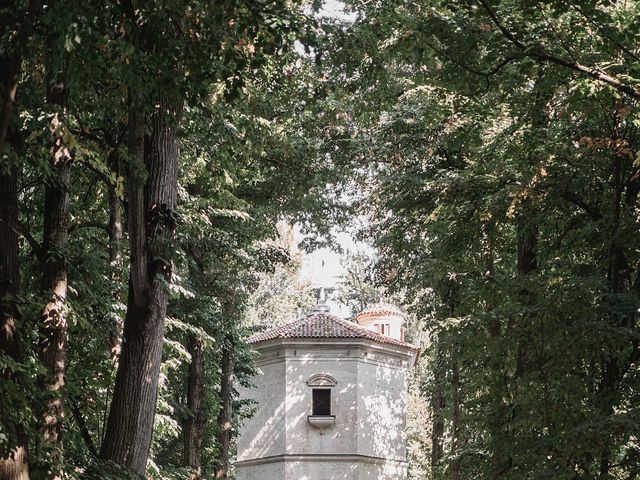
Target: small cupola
(383, 318)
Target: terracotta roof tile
(381, 309)
(325, 325)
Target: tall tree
(53, 326)
(225, 415)
(153, 196)
(467, 177)
(194, 424)
(152, 233)
(13, 460)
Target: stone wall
(367, 440)
(382, 387)
(302, 363)
(264, 435)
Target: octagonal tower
(330, 403)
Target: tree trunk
(437, 431)
(9, 71)
(527, 241)
(195, 396)
(455, 421)
(115, 213)
(488, 265)
(438, 404)
(225, 416)
(14, 466)
(151, 235)
(527, 263)
(53, 325)
(526, 249)
(616, 275)
(82, 427)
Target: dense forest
(154, 156)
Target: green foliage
(493, 145)
(244, 164)
(356, 289)
(481, 146)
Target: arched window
(321, 394)
(321, 380)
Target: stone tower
(330, 400)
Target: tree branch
(469, 68)
(593, 212)
(76, 226)
(35, 245)
(604, 34)
(540, 54)
(82, 426)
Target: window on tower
(321, 401)
(383, 328)
(321, 412)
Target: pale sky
(323, 266)
(329, 274)
(335, 9)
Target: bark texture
(14, 466)
(225, 416)
(151, 235)
(53, 324)
(195, 395)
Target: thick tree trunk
(151, 235)
(53, 325)
(195, 396)
(225, 416)
(14, 466)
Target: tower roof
(381, 309)
(325, 325)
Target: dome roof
(381, 308)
